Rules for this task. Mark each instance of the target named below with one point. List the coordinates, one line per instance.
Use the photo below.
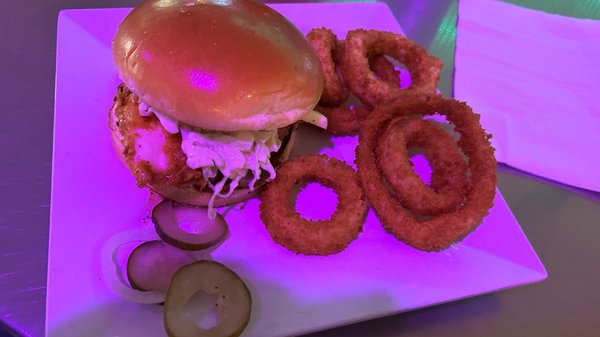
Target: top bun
(224, 65)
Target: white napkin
(535, 79)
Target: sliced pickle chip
(232, 306)
(187, 227)
(151, 265)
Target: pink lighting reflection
(147, 56)
(375, 276)
(316, 202)
(203, 81)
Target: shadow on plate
(434, 321)
(310, 140)
(124, 319)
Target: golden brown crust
(128, 121)
(325, 44)
(344, 119)
(365, 84)
(321, 237)
(330, 51)
(439, 232)
(177, 182)
(238, 66)
(449, 180)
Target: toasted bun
(219, 65)
(191, 196)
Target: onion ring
(325, 44)
(381, 66)
(449, 181)
(344, 121)
(385, 70)
(438, 232)
(347, 120)
(302, 236)
(330, 51)
(365, 84)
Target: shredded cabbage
(234, 154)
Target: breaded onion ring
(344, 121)
(347, 120)
(303, 236)
(364, 83)
(325, 43)
(385, 70)
(449, 181)
(438, 232)
(330, 51)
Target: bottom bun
(197, 198)
(192, 196)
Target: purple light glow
(376, 275)
(316, 211)
(422, 167)
(147, 56)
(203, 81)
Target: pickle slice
(187, 227)
(233, 304)
(151, 265)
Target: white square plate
(94, 196)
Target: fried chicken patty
(154, 155)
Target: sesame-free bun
(224, 65)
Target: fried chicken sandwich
(211, 93)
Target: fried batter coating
(302, 236)
(367, 86)
(449, 181)
(438, 232)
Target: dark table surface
(562, 223)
